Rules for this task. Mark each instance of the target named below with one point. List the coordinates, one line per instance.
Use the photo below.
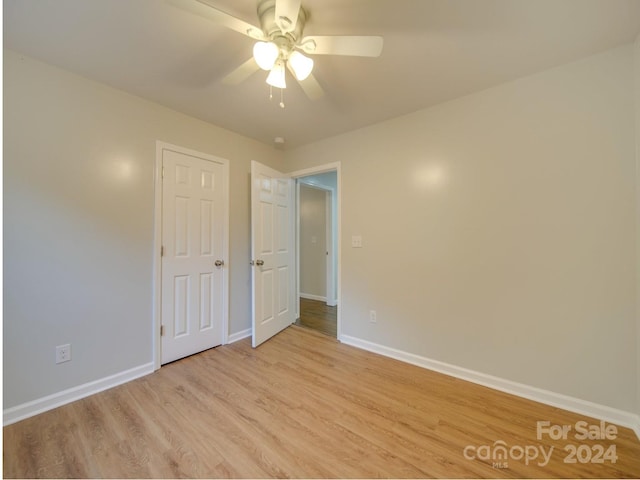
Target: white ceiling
(434, 50)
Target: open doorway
(317, 258)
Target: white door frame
(328, 167)
(157, 245)
(330, 259)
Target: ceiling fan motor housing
(286, 41)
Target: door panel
(271, 240)
(193, 291)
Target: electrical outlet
(63, 353)
(373, 317)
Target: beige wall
(78, 224)
(499, 230)
(313, 259)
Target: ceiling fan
(280, 42)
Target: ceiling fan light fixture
(276, 76)
(301, 65)
(265, 54)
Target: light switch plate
(356, 241)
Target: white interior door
(272, 252)
(194, 278)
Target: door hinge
(162, 330)
(162, 251)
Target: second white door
(272, 250)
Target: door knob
(259, 262)
(219, 263)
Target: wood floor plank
(302, 405)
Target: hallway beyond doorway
(317, 315)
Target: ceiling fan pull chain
(282, 98)
(270, 92)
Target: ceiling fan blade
(311, 87)
(204, 8)
(241, 73)
(357, 46)
(287, 14)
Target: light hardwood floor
(318, 316)
(300, 405)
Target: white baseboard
(34, 407)
(234, 337)
(583, 407)
(310, 296)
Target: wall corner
(636, 83)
